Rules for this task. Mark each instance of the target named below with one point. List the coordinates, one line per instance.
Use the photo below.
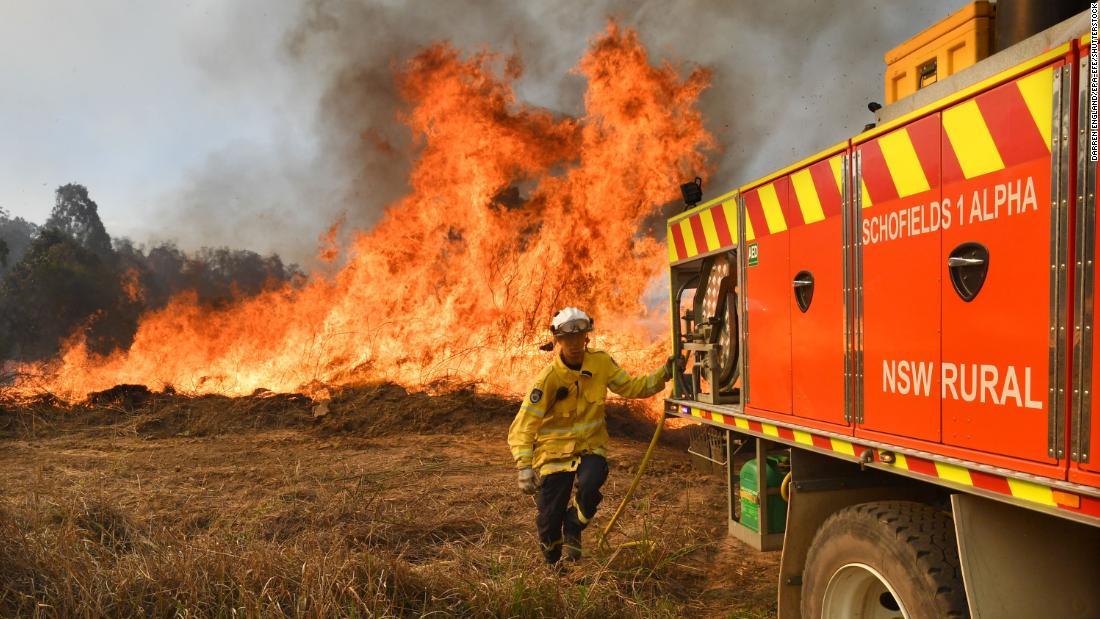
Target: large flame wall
(455, 282)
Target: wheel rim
(858, 591)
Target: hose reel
(710, 332)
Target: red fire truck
(889, 344)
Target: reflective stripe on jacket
(562, 416)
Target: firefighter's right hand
(673, 365)
(527, 481)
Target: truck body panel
(945, 355)
(817, 337)
(967, 380)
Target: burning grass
(211, 506)
(450, 281)
(366, 410)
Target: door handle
(803, 290)
(961, 261)
(968, 265)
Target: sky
(231, 123)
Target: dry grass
(392, 504)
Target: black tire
(910, 545)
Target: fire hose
(630, 491)
(678, 379)
(633, 486)
(784, 488)
(681, 389)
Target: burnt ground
(376, 502)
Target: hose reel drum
(710, 333)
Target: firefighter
(559, 436)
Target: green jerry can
(750, 492)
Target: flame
(131, 286)
(328, 250)
(459, 278)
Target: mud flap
(1021, 563)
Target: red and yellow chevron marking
(939, 470)
(766, 209)
(1000, 128)
(710, 228)
(901, 163)
(816, 191)
(806, 196)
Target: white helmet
(570, 320)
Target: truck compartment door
(900, 219)
(999, 269)
(768, 296)
(816, 295)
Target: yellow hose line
(785, 487)
(634, 484)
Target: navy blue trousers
(562, 516)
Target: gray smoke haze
(789, 78)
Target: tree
(69, 276)
(60, 287)
(15, 234)
(77, 215)
(216, 275)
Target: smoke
(789, 78)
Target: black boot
(571, 547)
(572, 527)
(552, 552)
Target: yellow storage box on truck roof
(960, 40)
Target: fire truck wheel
(889, 559)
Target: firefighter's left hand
(527, 481)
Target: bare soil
(374, 502)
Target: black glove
(673, 365)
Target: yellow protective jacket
(563, 415)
